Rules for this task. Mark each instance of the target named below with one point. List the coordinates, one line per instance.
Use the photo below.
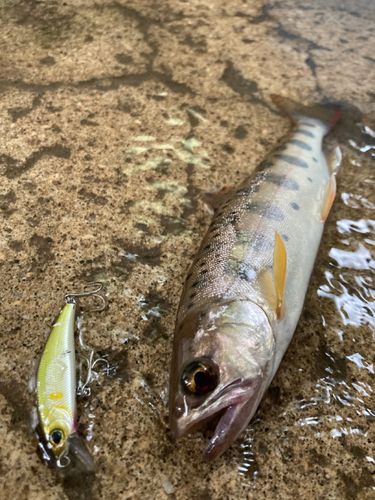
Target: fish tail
(328, 114)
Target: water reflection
(248, 467)
(364, 148)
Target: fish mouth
(239, 402)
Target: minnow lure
(56, 388)
(245, 290)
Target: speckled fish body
(231, 331)
(56, 382)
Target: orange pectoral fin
(279, 270)
(328, 195)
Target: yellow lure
(56, 383)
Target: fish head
(222, 361)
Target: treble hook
(84, 389)
(70, 297)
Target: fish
(245, 290)
(55, 422)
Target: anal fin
(328, 195)
(279, 271)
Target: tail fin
(327, 114)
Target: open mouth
(237, 402)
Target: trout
(244, 292)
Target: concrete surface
(115, 116)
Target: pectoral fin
(334, 160)
(279, 270)
(328, 195)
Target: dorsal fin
(279, 271)
(328, 195)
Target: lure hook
(84, 389)
(70, 298)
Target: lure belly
(245, 290)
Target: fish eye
(199, 377)
(57, 436)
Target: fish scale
(245, 290)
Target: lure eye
(57, 436)
(199, 377)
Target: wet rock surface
(115, 117)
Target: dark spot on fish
(202, 264)
(306, 124)
(244, 276)
(228, 220)
(314, 159)
(189, 276)
(305, 132)
(196, 283)
(309, 179)
(293, 160)
(215, 235)
(207, 247)
(204, 271)
(193, 295)
(189, 306)
(265, 209)
(264, 165)
(285, 237)
(248, 190)
(301, 144)
(261, 242)
(180, 327)
(295, 206)
(281, 148)
(283, 180)
(231, 219)
(247, 274)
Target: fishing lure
(244, 292)
(56, 389)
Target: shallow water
(115, 118)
